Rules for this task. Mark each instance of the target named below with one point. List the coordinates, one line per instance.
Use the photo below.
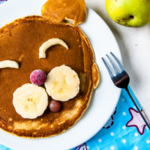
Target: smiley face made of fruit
(62, 84)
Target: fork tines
(117, 69)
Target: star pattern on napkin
(81, 147)
(2, 1)
(136, 121)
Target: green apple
(133, 13)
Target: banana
(30, 101)
(62, 83)
(9, 64)
(49, 43)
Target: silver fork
(121, 79)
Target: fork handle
(139, 110)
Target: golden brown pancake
(20, 41)
(59, 10)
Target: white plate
(104, 99)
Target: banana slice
(30, 101)
(62, 83)
(9, 64)
(49, 43)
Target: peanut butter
(59, 10)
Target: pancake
(60, 10)
(20, 41)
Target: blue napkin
(125, 130)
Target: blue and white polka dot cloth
(125, 130)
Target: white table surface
(134, 44)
